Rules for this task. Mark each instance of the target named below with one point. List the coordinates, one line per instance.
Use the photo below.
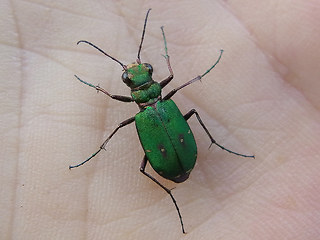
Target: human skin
(262, 99)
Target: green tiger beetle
(164, 133)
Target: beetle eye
(125, 78)
(150, 68)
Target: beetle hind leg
(142, 170)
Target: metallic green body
(167, 140)
(164, 134)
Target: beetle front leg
(193, 111)
(122, 124)
(98, 88)
(164, 82)
(142, 170)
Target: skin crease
(262, 99)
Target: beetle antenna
(99, 49)
(143, 32)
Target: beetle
(164, 133)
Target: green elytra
(164, 133)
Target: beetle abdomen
(167, 140)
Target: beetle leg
(172, 92)
(193, 111)
(98, 88)
(164, 82)
(142, 170)
(122, 124)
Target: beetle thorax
(147, 94)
